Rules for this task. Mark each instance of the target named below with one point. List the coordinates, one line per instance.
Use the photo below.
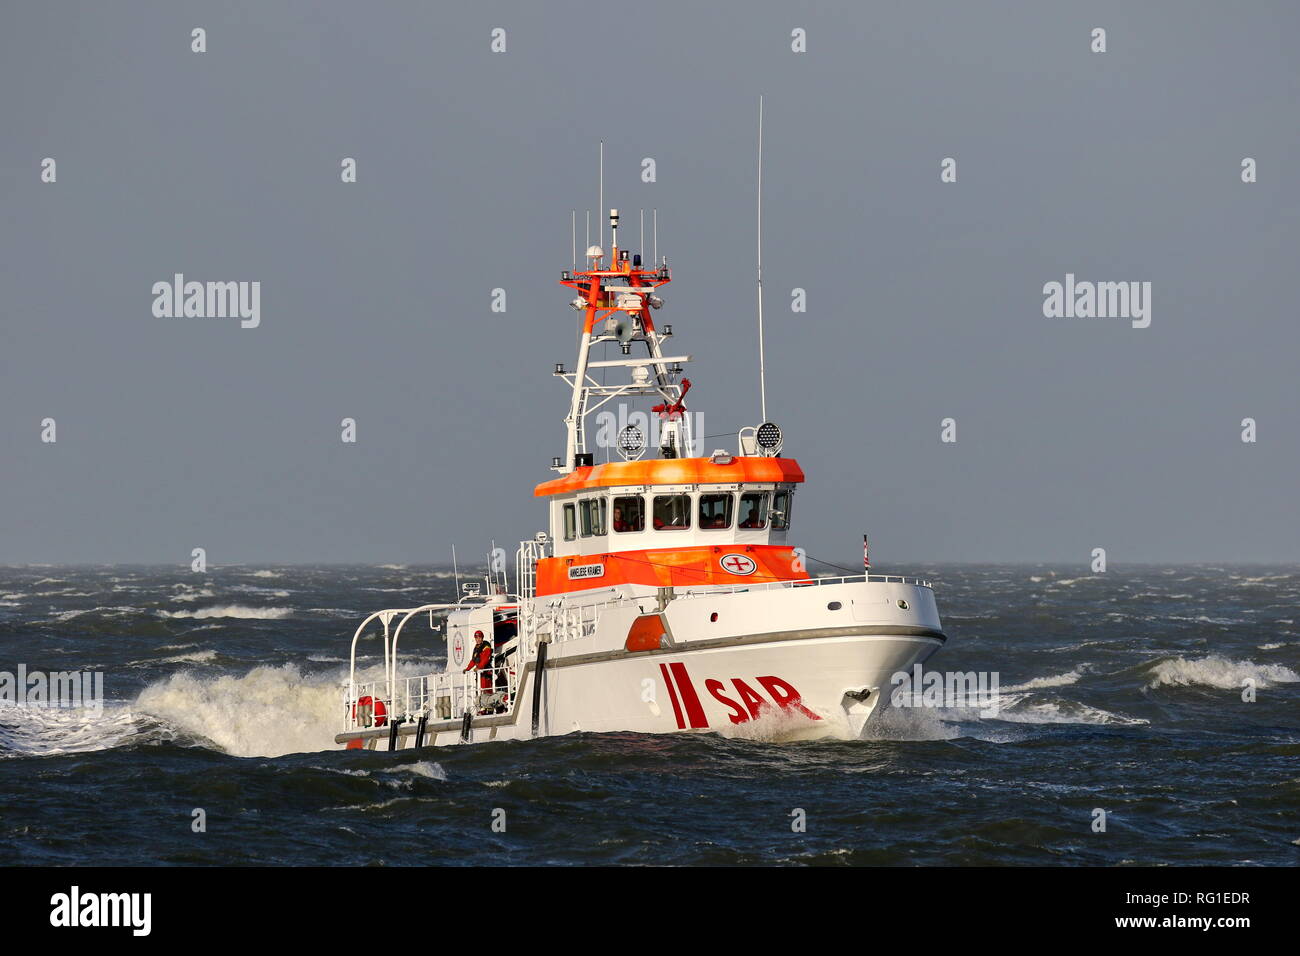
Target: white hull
(776, 663)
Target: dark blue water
(1120, 691)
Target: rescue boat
(665, 595)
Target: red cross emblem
(459, 647)
(738, 564)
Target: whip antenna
(762, 365)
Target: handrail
(420, 694)
(392, 667)
(807, 582)
(387, 614)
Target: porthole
(713, 618)
(834, 606)
(902, 604)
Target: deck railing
(811, 582)
(445, 696)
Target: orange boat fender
(649, 632)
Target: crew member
(480, 659)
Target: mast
(615, 298)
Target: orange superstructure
(674, 471)
(675, 568)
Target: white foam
(234, 611)
(1057, 680)
(49, 731)
(423, 768)
(775, 725)
(69, 615)
(428, 769)
(268, 712)
(1021, 711)
(1218, 672)
(254, 589)
(194, 657)
(947, 723)
(912, 723)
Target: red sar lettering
(783, 694)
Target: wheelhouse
(653, 517)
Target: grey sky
(924, 299)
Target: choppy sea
(1167, 697)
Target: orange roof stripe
(673, 471)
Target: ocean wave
(780, 726)
(268, 712)
(254, 589)
(196, 657)
(63, 616)
(232, 610)
(1025, 711)
(50, 731)
(995, 724)
(1217, 672)
(422, 768)
(1055, 680)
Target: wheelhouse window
(753, 510)
(570, 523)
(715, 511)
(781, 510)
(592, 513)
(672, 512)
(629, 513)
